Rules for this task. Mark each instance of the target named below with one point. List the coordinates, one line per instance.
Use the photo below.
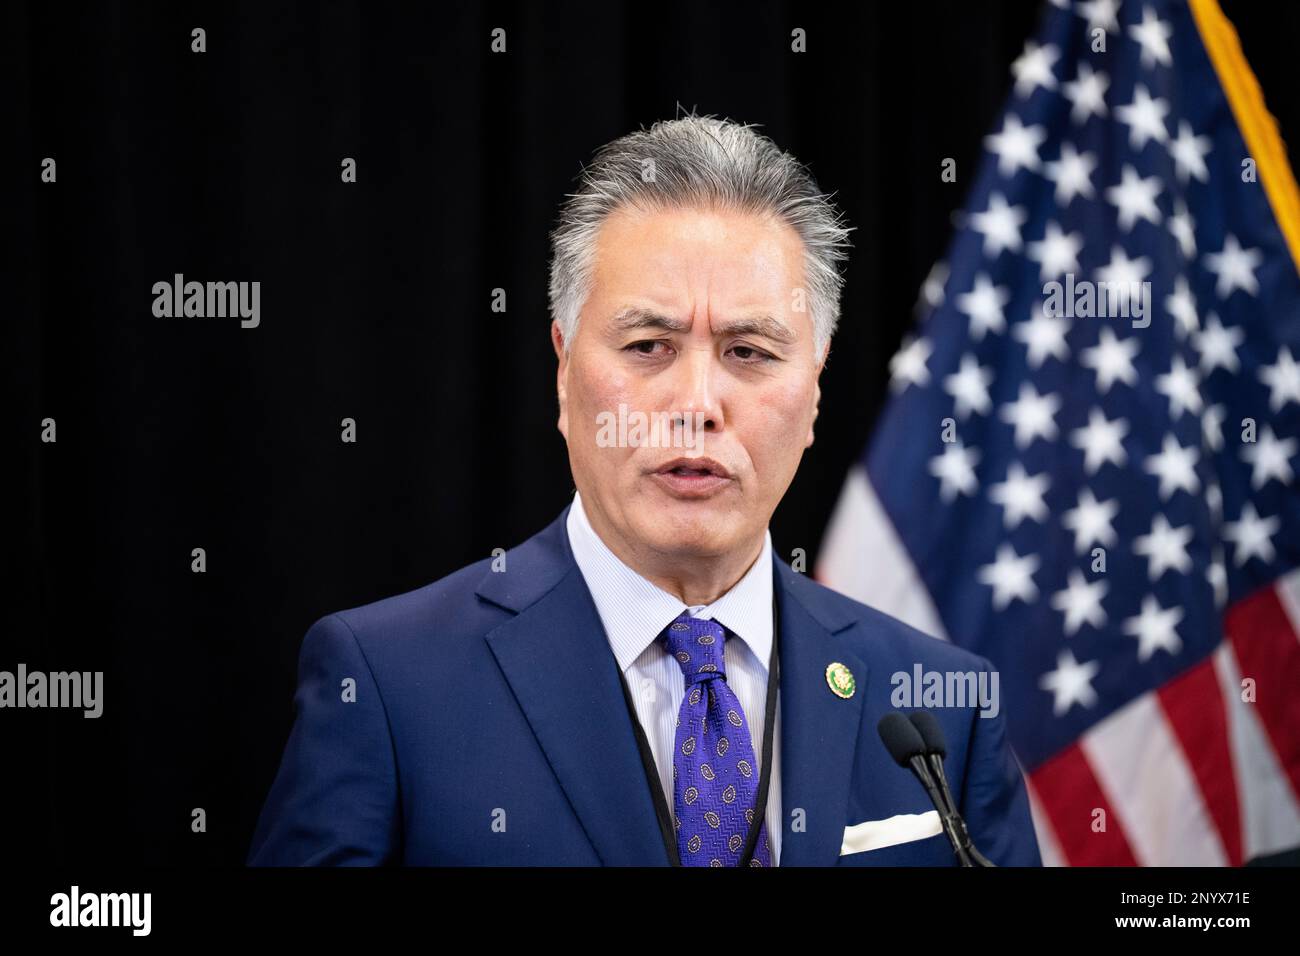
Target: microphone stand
(953, 825)
(958, 833)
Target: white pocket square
(903, 828)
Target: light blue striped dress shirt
(635, 612)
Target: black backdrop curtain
(376, 306)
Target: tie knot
(696, 645)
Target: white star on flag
(1033, 68)
(969, 387)
(1100, 14)
(1282, 379)
(1181, 386)
(1057, 252)
(1135, 198)
(1235, 267)
(1189, 152)
(983, 304)
(1124, 275)
(1156, 628)
(1218, 345)
(1080, 602)
(932, 287)
(1212, 427)
(1032, 414)
(1165, 547)
(1153, 35)
(1021, 496)
(1251, 534)
(1182, 306)
(1112, 359)
(1016, 146)
(1000, 225)
(1072, 174)
(1269, 457)
(908, 366)
(1090, 520)
(1070, 683)
(1086, 93)
(1145, 118)
(1011, 577)
(1175, 466)
(1043, 335)
(1101, 441)
(955, 469)
(1183, 229)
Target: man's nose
(696, 387)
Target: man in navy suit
(645, 682)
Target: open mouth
(693, 468)
(693, 477)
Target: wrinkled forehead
(689, 262)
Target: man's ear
(817, 398)
(557, 342)
(817, 394)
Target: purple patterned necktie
(715, 777)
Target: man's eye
(747, 353)
(645, 347)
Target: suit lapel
(558, 662)
(819, 730)
(559, 665)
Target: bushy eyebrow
(761, 325)
(633, 318)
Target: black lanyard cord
(666, 829)
(769, 723)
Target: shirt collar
(635, 611)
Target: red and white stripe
(1188, 774)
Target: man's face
(702, 314)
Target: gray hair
(698, 161)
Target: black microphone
(927, 725)
(906, 746)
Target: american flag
(1107, 507)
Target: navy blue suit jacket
(491, 698)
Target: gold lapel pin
(840, 680)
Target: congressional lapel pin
(840, 680)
